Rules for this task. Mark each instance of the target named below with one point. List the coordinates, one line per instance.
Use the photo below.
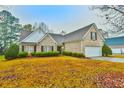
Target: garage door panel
(93, 51)
(117, 50)
(122, 50)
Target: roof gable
(57, 37)
(96, 29)
(45, 37)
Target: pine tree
(9, 29)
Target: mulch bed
(110, 80)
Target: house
(29, 40)
(88, 40)
(116, 44)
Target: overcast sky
(58, 18)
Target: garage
(117, 50)
(93, 51)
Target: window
(49, 48)
(93, 36)
(46, 48)
(29, 49)
(35, 48)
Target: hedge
(67, 53)
(74, 54)
(33, 53)
(12, 52)
(23, 54)
(45, 54)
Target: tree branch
(116, 10)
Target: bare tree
(114, 16)
(35, 26)
(41, 27)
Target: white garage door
(117, 50)
(122, 50)
(93, 51)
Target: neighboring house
(116, 44)
(88, 40)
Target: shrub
(54, 53)
(67, 53)
(74, 54)
(38, 54)
(23, 54)
(12, 52)
(45, 54)
(33, 53)
(78, 55)
(106, 51)
(1, 50)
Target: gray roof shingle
(24, 34)
(34, 37)
(57, 37)
(78, 34)
(73, 36)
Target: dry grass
(54, 72)
(2, 58)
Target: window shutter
(52, 48)
(41, 48)
(91, 35)
(95, 36)
(34, 48)
(22, 48)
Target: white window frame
(47, 48)
(29, 49)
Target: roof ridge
(54, 33)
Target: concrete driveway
(109, 59)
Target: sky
(57, 17)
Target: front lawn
(2, 57)
(56, 72)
